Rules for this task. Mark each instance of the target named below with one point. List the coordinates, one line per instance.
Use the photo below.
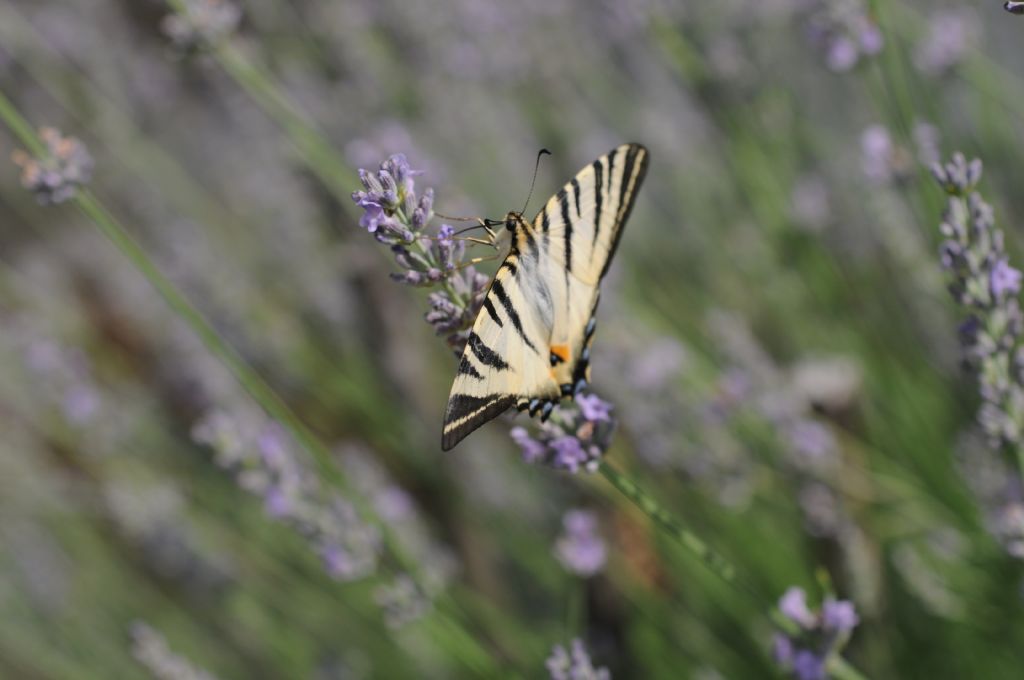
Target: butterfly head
(513, 220)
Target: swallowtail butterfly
(530, 344)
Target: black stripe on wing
(465, 413)
(598, 196)
(499, 292)
(485, 355)
(563, 201)
(633, 174)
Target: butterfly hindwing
(505, 357)
(531, 340)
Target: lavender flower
(574, 438)
(574, 664)
(843, 31)
(260, 455)
(394, 214)
(54, 178)
(1014, 7)
(950, 34)
(821, 634)
(201, 23)
(581, 550)
(984, 283)
(150, 649)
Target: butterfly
(530, 344)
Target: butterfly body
(530, 344)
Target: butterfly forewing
(531, 339)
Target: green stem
(576, 608)
(718, 565)
(839, 669)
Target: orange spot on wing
(561, 351)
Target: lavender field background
(221, 415)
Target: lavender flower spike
(398, 217)
(822, 634)
(983, 282)
(1014, 7)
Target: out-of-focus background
(775, 335)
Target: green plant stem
(839, 669)
(718, 565)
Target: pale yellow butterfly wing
(530, 343)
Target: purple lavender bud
(793, 605)
(808, 666)
(871, 40)
(569, 453)
(1004, 279)
(581, 550)
(1014, 7)
(277, 503)
(782, 650)
(594, 408)
(838, 616)
(842, 54)
(533, 450)
(411, 278)
(421, 215)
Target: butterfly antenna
(536, 166)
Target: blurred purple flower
(581, 550)
(260, 455)
(569, 453)
(574, 664)
(949, 38)
(533, 449)
(1004, 279)
(843, 31)
(821, 635)
(814, 446)
(793, 605)
(808, 666)
(56, 176)
(838, 616)
(594, 408)
(1014, 7)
